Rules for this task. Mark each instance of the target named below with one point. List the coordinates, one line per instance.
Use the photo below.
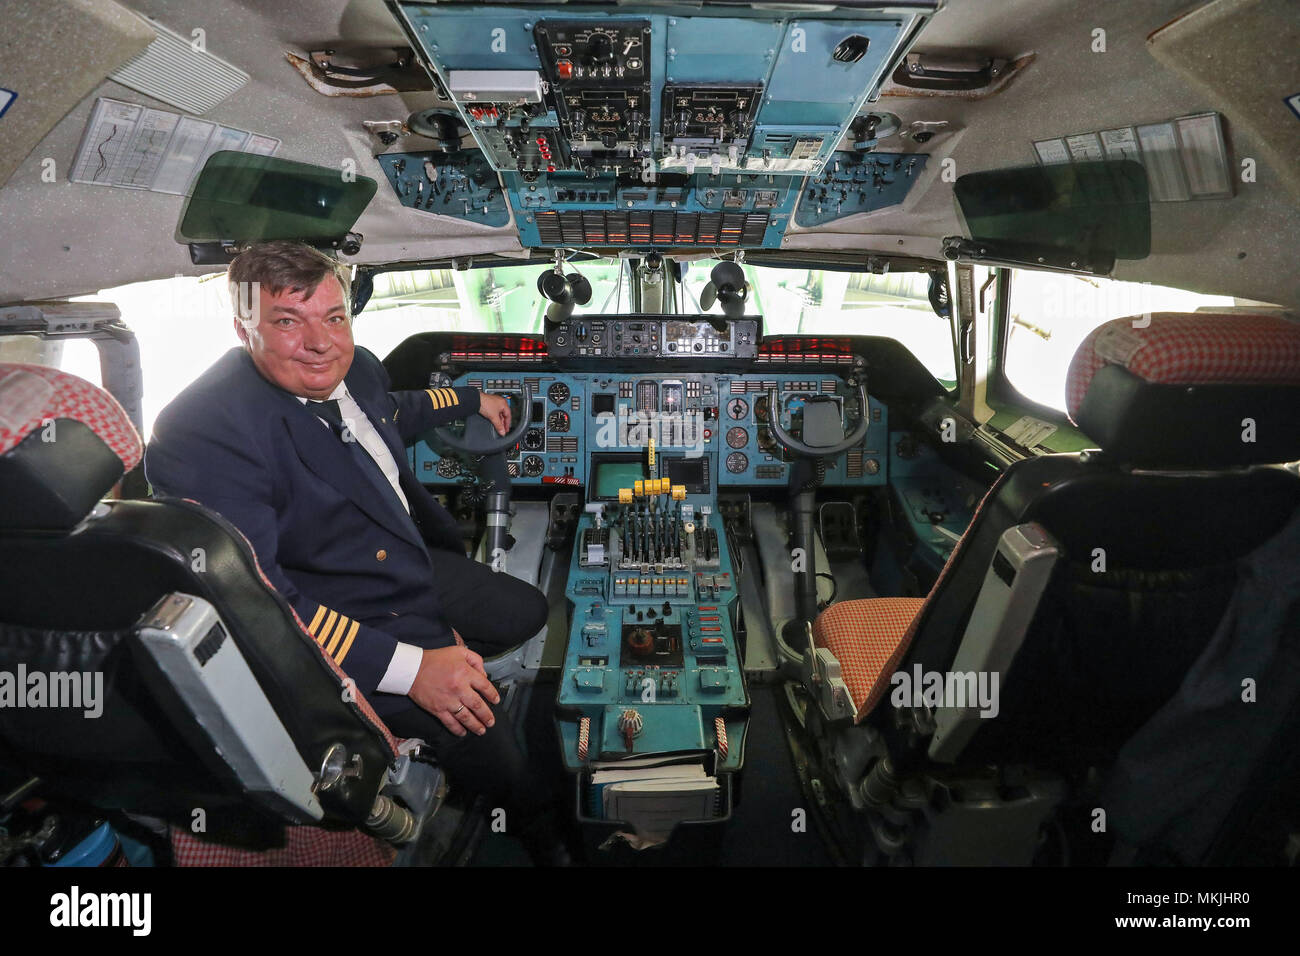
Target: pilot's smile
(302, 340)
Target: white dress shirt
(405, 662)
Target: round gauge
(557, 421)
(737, 462)
(533, 466)
(760, 408)
(534, 439)
(737, 437)
(448, 468)
(558, 393)
(440, 380)
(738, 408)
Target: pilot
(297, 440)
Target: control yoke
(481, 438)
(821, 423)
(804, 449)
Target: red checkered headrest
(63, 445)
(1200, 348)
(1181, 390)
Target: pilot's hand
(452, 686)
(496, 410)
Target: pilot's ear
(241, 330)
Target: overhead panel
(625, 126)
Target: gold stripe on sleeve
(320, 613)
(325, 628)
(451, 397)
(433, 397)
(344, 621)
(347, 644)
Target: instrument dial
(738, 408)
(760, 408)
(737, 462)
(737, 437)
(448, 468)
(557, 421)
(533, 466)
(534, 439)
(558, 393)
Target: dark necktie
(329, 411)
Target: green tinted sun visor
(1073, 216)
(240, 197)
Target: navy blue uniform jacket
(349, 559)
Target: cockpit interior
(903, 403)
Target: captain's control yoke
(481, 441)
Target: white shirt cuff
(402, 669)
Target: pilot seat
(219, 720)
(1095, 587)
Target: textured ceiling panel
(51, 55)
(66, 239)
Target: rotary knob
(600, 49)
(630, 725)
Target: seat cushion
(302, 846)
(866, 637)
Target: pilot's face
(302, 344)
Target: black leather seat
(1193, 414)
(80, 574)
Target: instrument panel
(651, 336)
(711, 428)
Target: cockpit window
(791, 301)
(494, 299)
(823, 302)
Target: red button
(565, 69)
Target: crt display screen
(690, 472)
(613, 475)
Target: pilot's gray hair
(279, 265)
